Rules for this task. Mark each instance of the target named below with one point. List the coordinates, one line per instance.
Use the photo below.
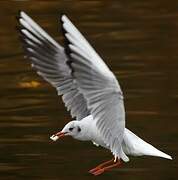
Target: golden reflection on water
(139, 42)
(31, 84)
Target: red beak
(61, 134)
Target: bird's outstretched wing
(100, 88)
(51, 62)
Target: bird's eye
(70, 129)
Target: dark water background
(139, 41)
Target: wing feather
(51, 62)
(99, 86)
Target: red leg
(102, 170)
(101, 165)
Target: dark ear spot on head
(79, 129)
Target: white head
(72, 128)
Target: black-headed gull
(89, 90)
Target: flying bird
(90, 91)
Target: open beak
(61, 134)
(58, 135)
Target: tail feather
(156, 152)
(137, 147)
(164, 155)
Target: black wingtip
(18, 16)
(62, 14)
(65, 40)
(19, 13)
(18, 28)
